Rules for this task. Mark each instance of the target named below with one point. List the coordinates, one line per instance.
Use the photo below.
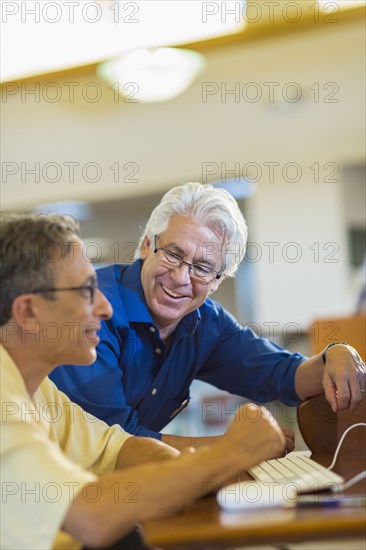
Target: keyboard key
(304, 473)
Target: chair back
(322, 429)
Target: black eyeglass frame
(190, 266)
(91, 288)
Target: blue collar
(132, 294)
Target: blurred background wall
(279, 105)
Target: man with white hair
(68, 479)
(166, 331)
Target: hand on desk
(344, 378)
(254, 435)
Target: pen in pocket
(180, 408)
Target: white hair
(213, 207)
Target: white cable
(357, 477)
(352, 481)
(341, 441)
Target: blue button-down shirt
(138, 384)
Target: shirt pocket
(177, 407)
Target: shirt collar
(11, 377)
(132, 294)
(133, 298)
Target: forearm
(151, 491)
(309, 376)
(148, 491)
(142, 450)
(180, 442)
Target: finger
(357, 393)
(282, 436)
(290, 439)
(330, 393)
(290, 445)
(283, 449)
(343, 395)
(362, 376)
(290, 434)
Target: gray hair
(208, 205)
(29, 245)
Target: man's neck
(168, 341)
(32, 368)
(167, 333)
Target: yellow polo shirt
(50, 448)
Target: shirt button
(152, 329)
(158, 351)
(154, 391)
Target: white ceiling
(165, 144)
(99, 30)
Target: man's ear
(145, 247)
(215, 285)
(24, 312)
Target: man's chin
(172, 309)
(86, 359)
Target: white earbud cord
(357, 477)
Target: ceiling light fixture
(151, 76)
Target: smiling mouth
(172, 294)
(93, 330)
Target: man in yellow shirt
(69, 480)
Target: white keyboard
(299, 470)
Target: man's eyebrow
(91, 279)
(205, 262)
(176, 248)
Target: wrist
(324, 353)
(237, 460)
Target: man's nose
(182, 274)
(103, 308)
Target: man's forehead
(181, 227)
(74, 264)
(183, 231)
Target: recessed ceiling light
(152, 75)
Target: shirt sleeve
(245, 364)
(85, 439)
(98, 388)
(38, 485)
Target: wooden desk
(204, 525)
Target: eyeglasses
(196, 271)
(88, 289)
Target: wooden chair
(322, 429)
